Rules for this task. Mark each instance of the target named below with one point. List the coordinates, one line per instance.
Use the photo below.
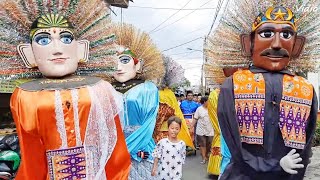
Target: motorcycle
(9, 156)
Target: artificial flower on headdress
(127, 51)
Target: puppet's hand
(143, 155)
(290, 162)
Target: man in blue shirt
(188, 106)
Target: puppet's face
(273, 46)
(126, 68)
(55, 51)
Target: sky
(186, 25)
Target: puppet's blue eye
(66, 38)
(42, 39)
(125, 59)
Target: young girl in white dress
(170, 153)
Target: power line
(215, 15)
(182, 17)
(187, 9)
(182, 44)
(183, 57)
(186, 52)
(202, 28)
(112, 11)
(220, 3)
(170, 16)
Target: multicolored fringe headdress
(89, 20)
(223, 46)
(214, 73)
(141, 46)
(174, 74)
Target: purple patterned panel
(298, 122)
(250, 121)
(67, 164)
(304, 120)
(296, 119)
(240, 117)
(261, 117)
(255, 117)
(247, 117)
(282, 117)
(289, 120)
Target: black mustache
(278, 53)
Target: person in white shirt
(204, 129)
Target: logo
(304, 8)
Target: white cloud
(192, 69)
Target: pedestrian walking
(204, 129)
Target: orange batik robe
(69, 129)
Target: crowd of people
(195, 110)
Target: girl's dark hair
(203, 99)
(174, 119)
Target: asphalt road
(193, 170)
(313, 169)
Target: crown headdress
(277, 14)
(48, 21)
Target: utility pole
(203, 79)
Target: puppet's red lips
(120, 73)
(275, 56)
(58, 60)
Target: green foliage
(186, 83)
(316, 140)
